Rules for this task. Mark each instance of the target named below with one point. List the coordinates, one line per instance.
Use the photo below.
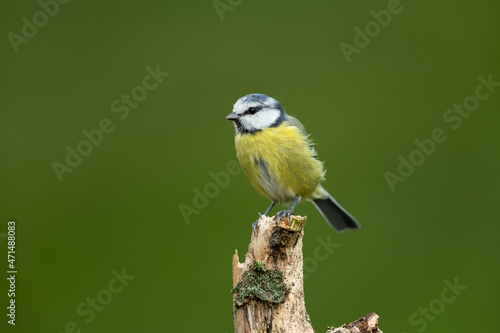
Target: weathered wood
(268, 287)
(280, 249)
(368, 323)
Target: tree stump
(268, 288)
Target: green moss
(258, 266)
(261, 283)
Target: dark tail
(335, 215)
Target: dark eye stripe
(252, 110)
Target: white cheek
(261, 120)
(248, 123)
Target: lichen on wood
(260, 283)
(268, 287)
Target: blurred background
(104, 157)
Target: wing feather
(295, 122)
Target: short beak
(232, 116)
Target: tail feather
(335, 214)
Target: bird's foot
(254, 225)
(282, 213)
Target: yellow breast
(279, 162)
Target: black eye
(252, 110)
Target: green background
(120, 207)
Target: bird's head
(255, 112)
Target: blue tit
(280, 161)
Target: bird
(278, 157)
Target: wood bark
(365, 324)
(268, 287)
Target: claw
(287, 213)
(255, 224)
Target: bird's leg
(290, 211)
(254, 225)
(269, 209)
